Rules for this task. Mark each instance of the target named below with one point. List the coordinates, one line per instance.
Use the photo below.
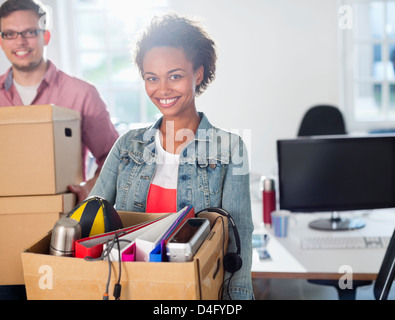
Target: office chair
(322, 120)
(386, 275)
(328, 120)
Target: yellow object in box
(24, 220)
(40, 150)
(64, 278)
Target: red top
(162, 195)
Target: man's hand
(82, 190)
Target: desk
(290, 261)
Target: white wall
(276, 59)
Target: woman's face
(170, 80)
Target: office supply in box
(93, 246)
(129, 254)
(40, 150)
(96, 216)
(71, 278)
(64, 234)
(128, 247)
(187, 240)
(158, 254)
(24, 220)
(149, 240)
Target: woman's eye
(175, 77)
(151, 79)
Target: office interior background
(276, 59)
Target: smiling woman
(182, 159)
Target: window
(368, 52)
(102, 32)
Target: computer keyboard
(342, 242)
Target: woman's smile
(167, 102)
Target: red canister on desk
(269, 200)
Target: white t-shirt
(162, 195)
(27, 93)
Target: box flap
(62, 203)
(41, 246)
(36, 114)
(133, 218)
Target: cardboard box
(40, 150)
(62, 278)
(24, 220)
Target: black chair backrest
(386, 275)
(322, 120)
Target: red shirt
(162, 195)
(97, 131)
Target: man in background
(34, 80)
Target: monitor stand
(336, 223)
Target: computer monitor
(335, 174)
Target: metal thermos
(65, 232)
(269, 200)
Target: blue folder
(158, 254)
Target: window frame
(348, 80)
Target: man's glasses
(11, 35)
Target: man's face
(25, 54)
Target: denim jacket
(213, 172)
